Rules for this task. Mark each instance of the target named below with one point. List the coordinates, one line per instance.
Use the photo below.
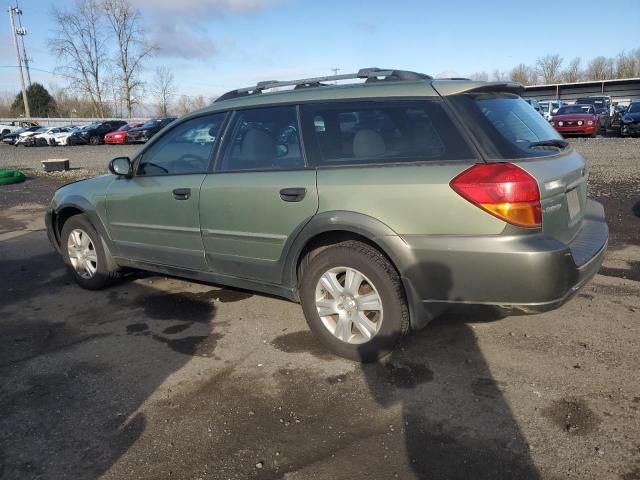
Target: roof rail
(368, 74)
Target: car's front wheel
(353, 300)
(88, 262)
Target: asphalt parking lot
(161, 378)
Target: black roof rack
(368, 74)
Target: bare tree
(80, 45)
(600, 68)
(572, 73)
(132, 48)
(523, 74)
(626, 66)
(480, 76)
(185, 104)
(548, 68)
(164, 88)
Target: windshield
(506, 126)
(634, 108)
(91, 125)
(596, 102)
(575, 109)
(150, 123)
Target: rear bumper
(531, 273)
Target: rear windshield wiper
(553, 143)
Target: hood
(570, 117)
(635, 116)
(141, 129)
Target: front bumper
(577, 129)
(630, 129)
(529, 272)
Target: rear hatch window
(506, 126)
(510, 130)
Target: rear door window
(505, 125)
(263, 139)
(372, 132)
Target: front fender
(80, 203)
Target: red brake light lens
(504, 190)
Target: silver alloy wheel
(82, 253)
(349, 305)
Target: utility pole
(22, 32)
(12, 11)
(335, 72)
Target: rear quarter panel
(411, 199)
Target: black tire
(107, 271)
(95, 140)
(382, 274)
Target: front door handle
(182, 193)
(293, 194)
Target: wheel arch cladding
(332, 227)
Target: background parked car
(549, 107)
(94, 132)
(120, 135)
(576, 120)
(148, 129)
(10, 138)
(12, 127)
(601, 104)
(630, 120)
(534, 103)
(618, 112)
(25, 139)
(50, 135)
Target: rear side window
(263, 139)
(371, 132)
(505, 125)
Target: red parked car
(576, 120)
(120, 135)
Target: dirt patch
(573, 416)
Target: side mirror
(120, 166)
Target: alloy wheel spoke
(85, 240)
(369, 302)
(75, 238)
(352, 281)
(331, 285)
(92, 255)
(364, 325)
(326, 307)
(343, 328)
(88, 267)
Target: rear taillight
(502, 189)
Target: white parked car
(549, 107)
(63, 137)
(25, 137)
(47, 136)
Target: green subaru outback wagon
(375, 204)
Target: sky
(213, 46)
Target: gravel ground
(159, 378)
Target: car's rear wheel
(88, 262)
(95, 140)
(353, 300)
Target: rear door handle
(182, 193)
(293, 194)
